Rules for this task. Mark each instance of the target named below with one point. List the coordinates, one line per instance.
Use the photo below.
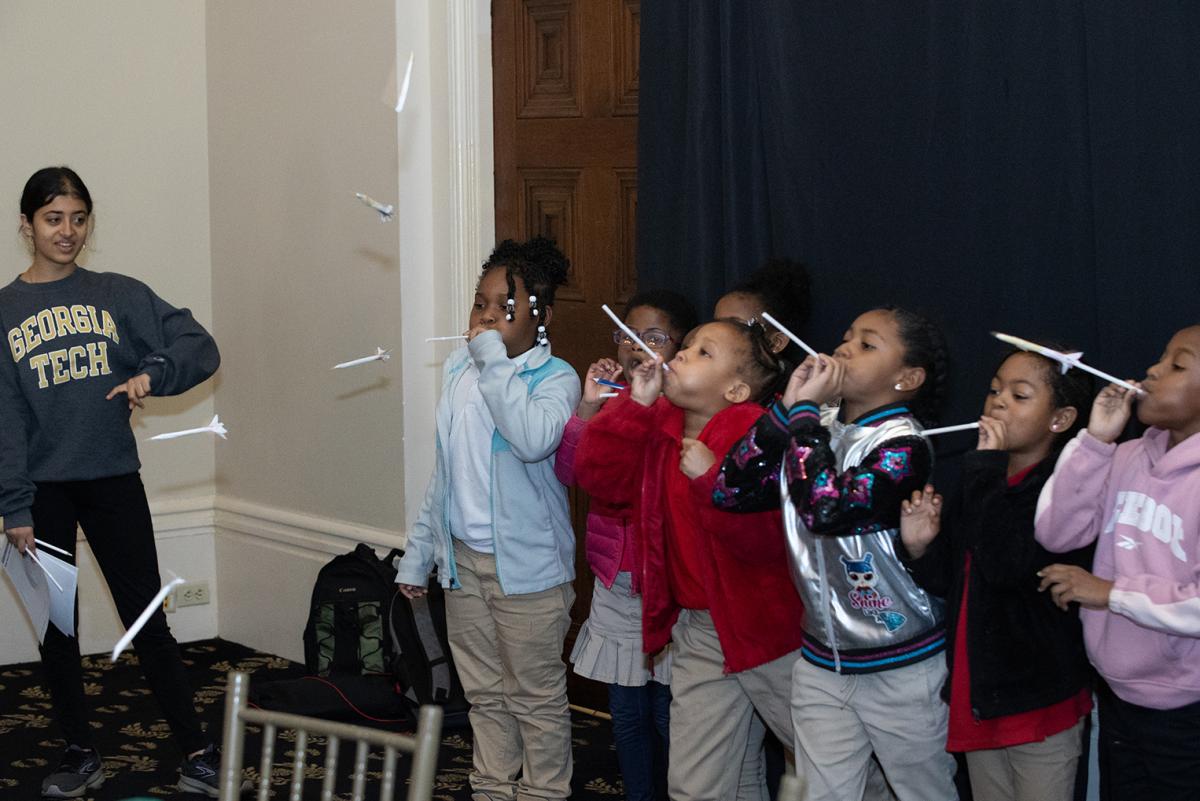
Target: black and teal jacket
(841, 492)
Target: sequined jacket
(627, 456)
(841, 509)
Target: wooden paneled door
(565, 93)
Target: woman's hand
(695, 458)
(1110, 412)
(412, 591)
(590, 403)
(920, 520)
(135, 389)
(1069, 583)
(22, 538)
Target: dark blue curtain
(1027, 166)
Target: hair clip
(511, 308)
(542, 339)
(533, 309)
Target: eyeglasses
(654, 337)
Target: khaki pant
(716, 737)
(1042, 771)
(508, 652)
(839, 719)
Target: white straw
(1067, 361)
(803, 345)
(929, 432)
(445, 339)
(38, 562)
(123, 643)
(50, 547)
(629, 333)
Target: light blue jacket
(531, 524)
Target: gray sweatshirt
(68, 343)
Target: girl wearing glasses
(609, 646)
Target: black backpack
(360, 625)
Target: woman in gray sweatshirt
(84, 349)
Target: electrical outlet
(193, 593)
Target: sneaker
(201, 773)
(79, 771)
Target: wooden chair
(423, 746)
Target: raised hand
(818, 379)
(590, 403)
(645, 384)
(1110, 412)
(993, 435)
(920, 520)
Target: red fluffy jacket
(624, 458)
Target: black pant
(1151, 754)
(116, 521)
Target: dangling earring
(510, 309)
(542, 339)
(533, 309)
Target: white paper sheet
(31, 585)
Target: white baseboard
(267, 560)
(260, 562)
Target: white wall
(117, 90)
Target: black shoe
(201, 773)
(79, 771)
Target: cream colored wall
(305, 276)
(117, 90)
(223, 142)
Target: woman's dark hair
(924, 347)
(539, 264)
(764, 371)
(51, 182)
(1072, 388)
(679, 310)
(783, 288)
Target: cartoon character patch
(863, 595)
(860, 490)
(747, 449)
(822, 486)
(723, 495)
(896, 462)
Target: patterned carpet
(140, 760)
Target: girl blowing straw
(1020, 684)
(870, 664)
(609, 646)
(1139, 502)
(495, 523)
(714, 584)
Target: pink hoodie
(1142, 502)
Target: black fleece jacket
(1025, 652)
